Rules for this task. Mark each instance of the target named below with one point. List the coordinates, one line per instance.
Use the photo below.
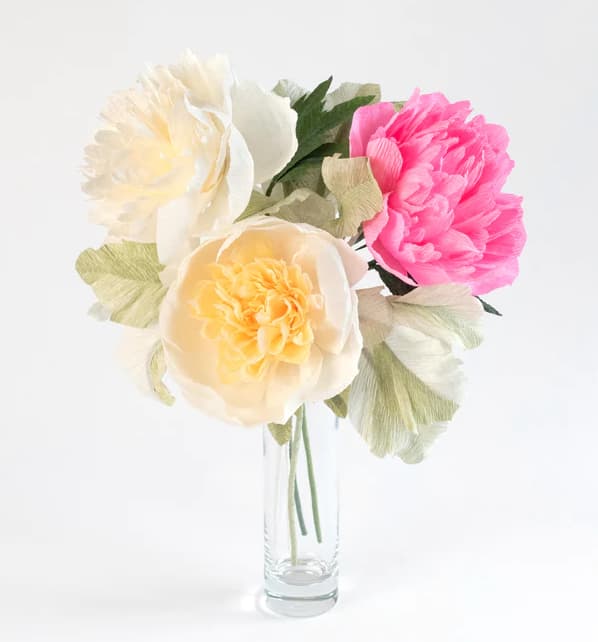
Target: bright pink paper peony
(445, 218)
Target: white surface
(124, 521)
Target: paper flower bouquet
(241, 223)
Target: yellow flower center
(258, 313)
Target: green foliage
(281, 432)
(488, 308)
(356, 191)
(375, 316)
(258, 202)
(409, 378)
(352, 184)
(289, 89)
(156, 369)
(339, 404)
(447, 312)
(126, 279)
(347, 91)
(317, 126)
(390, 405)
(303, 206)
(306, 175)
(308, 172)
(392, 282)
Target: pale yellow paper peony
(262, 320)
(180, 153)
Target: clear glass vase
(301, 514)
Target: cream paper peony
(181, 152)
(262, 320)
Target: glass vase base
(300, 607)
(304, 589)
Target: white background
(121, 520)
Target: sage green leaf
(303, 206)
(156, 369)
(306, 174)
(339, 403)
(348, 90)
(125, 278)
(289, 89)
(99, 312)
(390, 406)
(356, 190)
(447, 312)
(417, 445)
(410, 379)
(258, 202)
(281, 432)
(141, 354)
(375, 316)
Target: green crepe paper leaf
(375, 316)
(141, 355)
(305, 175)
(447, 312)
(303, 206)
(339, 404)
(390, 406)
(417, 446)
(348, 91)
(281, 432)
(289, 89)
(356, 190)
(308, 172)
(99, 312)
(317, 126)
(313, 101)
(488, 308)
(313, 128)
(392, 282)
(409, 378)
(258, 202)
(125, 278)
(156, 369)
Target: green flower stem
(291, 487)
(312, 478)
(300, 519)
(298, 506)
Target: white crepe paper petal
(267, 123)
